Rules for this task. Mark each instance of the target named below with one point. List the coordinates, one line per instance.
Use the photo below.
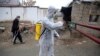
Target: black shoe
(22, 42)
(14, 43)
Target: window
(93, 18)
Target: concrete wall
(5, 13)
(27, 13)
(42, 12)
(81, 13)
(9, 2)
(30, 14)
(15, 11)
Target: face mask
(52, 15)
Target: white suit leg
(50, 50)
(43, 50)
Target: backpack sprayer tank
(38, 27)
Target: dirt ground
(66, 45)
(63, 47)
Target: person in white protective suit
(47, 39)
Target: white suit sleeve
(55, 32)
(51, 25)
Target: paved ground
(63, 47)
